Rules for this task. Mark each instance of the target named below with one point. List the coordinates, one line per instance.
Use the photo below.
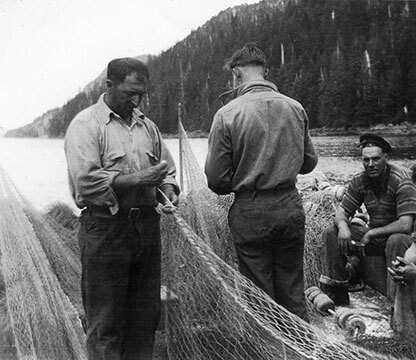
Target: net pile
(44, 322)
(205, 211)
(319, 209)
(213, 311)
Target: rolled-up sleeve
(89, 182)
(218, 163)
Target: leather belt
(133, 214)
(265, 193)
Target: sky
(50, 49)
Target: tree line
(351, 63)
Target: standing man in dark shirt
(117, 161)
(389, 196)
(259, 142)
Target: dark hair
(250, 54)
(118, 69)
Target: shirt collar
(245, 88)
(108, 114)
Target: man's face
(126, 96)
(374, 161)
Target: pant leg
(143, 302)
(106, 258)
(249, 226)
(288, 239)
(333, 261)
(264, 246)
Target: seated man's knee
(398, 242)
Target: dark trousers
(333, 261)
(268, 230)
(120, 285)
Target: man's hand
(169, 194)
(402, 270)
(366, 239)
(344, 239)
(153, 175)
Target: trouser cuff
(331, 282)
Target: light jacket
(258, 141)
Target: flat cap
(369, 139)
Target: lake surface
(38, 166)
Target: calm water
(38, 167)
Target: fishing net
(216, 313)
(44, 322)
(205, 211)
(212, 311)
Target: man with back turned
(259, 142)
(117, 163)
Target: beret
(369, 139)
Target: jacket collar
(245, 88)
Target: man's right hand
(344, 239)
(153, 175)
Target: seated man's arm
(350, 203)
(341, 221)
(403, 225)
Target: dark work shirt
(391, 197)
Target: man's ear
(236, 72)
(109, 84)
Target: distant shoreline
(405, 129)
(389, 129)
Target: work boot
(338, 294)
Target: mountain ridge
(351, 63)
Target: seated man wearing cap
(389, 196)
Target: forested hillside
(349, 62)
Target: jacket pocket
(113, 161)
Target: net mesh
(216, 313)
(44, 322)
